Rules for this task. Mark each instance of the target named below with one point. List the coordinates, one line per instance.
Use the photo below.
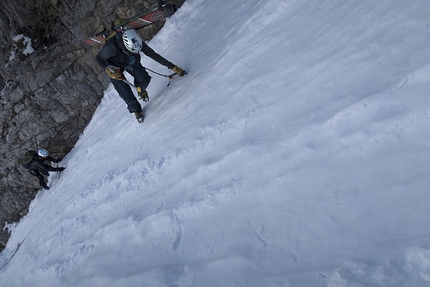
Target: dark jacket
(38, 167)
(114, 53)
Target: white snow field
(294, 153)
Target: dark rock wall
(49, 94)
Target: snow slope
(294, 153)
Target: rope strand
(163, 75)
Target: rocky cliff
(50, 85)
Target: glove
(114, 72)
(179, 71)
(143, 94)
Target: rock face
(50, 85)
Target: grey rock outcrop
(51, 86)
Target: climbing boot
(143, 94)
(139, 117)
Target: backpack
(27, 158)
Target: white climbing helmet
(43, 152)
(132, 40)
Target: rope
(163, 75)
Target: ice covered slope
(294, 153)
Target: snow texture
(294, 153)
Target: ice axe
(163, 75)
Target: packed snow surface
(294, 153)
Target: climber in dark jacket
(40, 169)
(121, 53)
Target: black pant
(41, 179)
(141, 79)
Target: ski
(143, 19)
